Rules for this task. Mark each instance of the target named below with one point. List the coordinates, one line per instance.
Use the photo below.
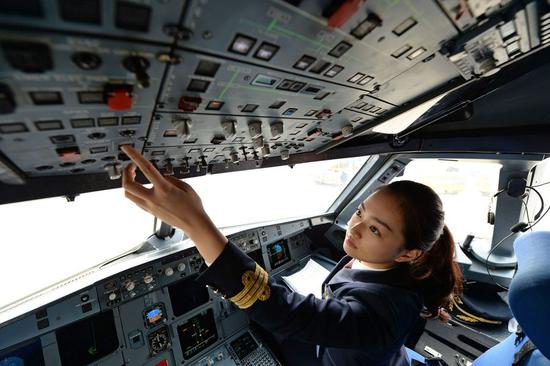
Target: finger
(178, 183)
(144, 165)
(138, 201)
(129, 183)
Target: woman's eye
(375, 230)
(358, 212)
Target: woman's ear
(409, 255)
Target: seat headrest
(529, 293)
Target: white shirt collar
(358, 265)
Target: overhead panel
(216, 86)
(148, 19)
(73, 114)
(416, 27)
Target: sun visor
(402, 121)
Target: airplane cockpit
(284, 115)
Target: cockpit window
(274, 193)
(48, 240)
(465, 188)
(45, 241)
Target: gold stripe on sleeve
(255, 287)
(248, 279)
(254, 293)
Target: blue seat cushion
(529, 294)
(503, 355)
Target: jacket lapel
(336, 268)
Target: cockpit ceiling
(218, 86)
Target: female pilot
(399, 267)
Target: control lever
(138, 65)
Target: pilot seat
(529, 295)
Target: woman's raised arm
(173, 202)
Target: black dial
(159, 341)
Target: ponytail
(439, 275)
(435, 269)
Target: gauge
(159, 341)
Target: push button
(120, 100)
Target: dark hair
(425, 229)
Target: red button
(70, 157)
(69, 154)
(344, 13)
(162, 363)
(189, 104)
(120, 100)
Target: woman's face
(375, 231)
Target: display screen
(24, 354)
(186, 295)
(257, 256)
(154, 315)
(87, 340)
(197, 333)
(244, 345)
(278, 254)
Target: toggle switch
(285, 154)
(234, 157)
(256, 159)
(258, 142)
(138, 65)
(168, 167)
(266, 151)
(183, 128)
(185, 166)
(113, 170)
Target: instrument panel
(210, 86)
(155, 313)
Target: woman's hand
(174, 202)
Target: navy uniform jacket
(364, 320)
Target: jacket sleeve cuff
(225, 273)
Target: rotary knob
(169, 271)
(112, 296)
(147, 279)
(181, 267)
(347, 130)
(130, 285)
